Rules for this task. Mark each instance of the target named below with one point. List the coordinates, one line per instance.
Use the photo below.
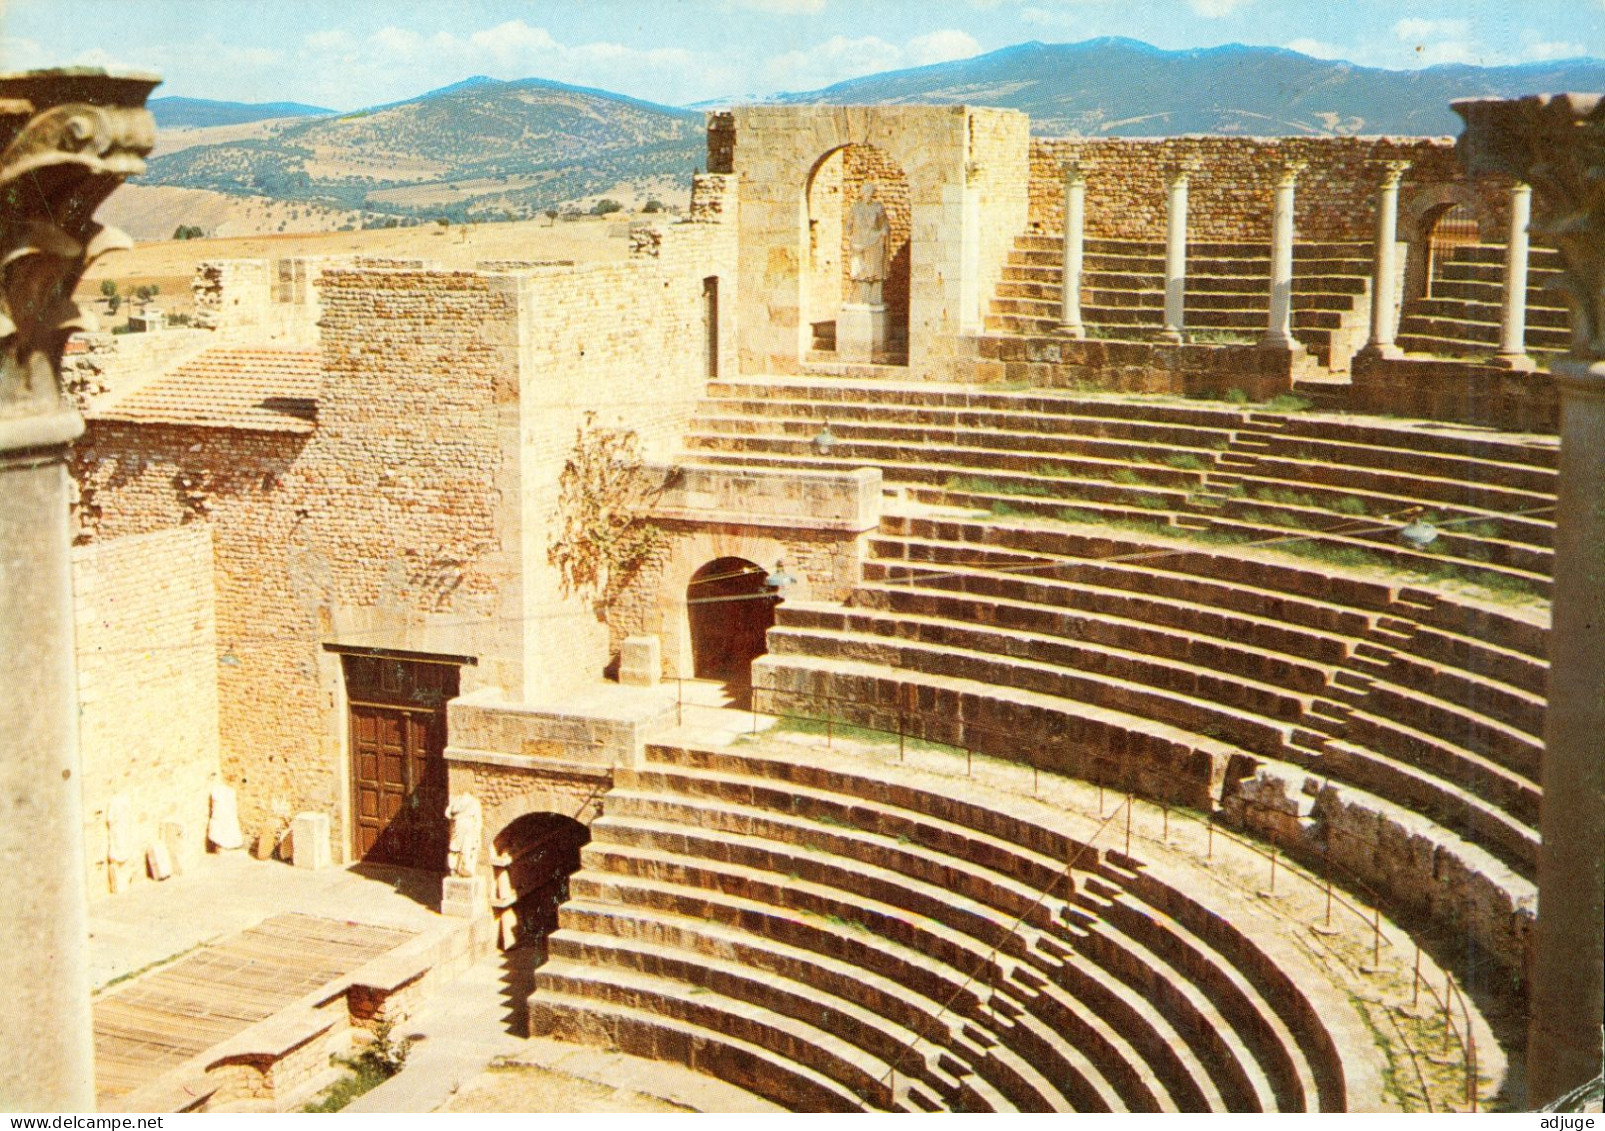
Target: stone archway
(731, 609)
(534, 857)
(1420, 216)
(833, 184)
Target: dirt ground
(170, 264)
(524, 1087)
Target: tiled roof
(263, 390)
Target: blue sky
(350, 53)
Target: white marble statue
(119, 841)
(223, 829)
(467, 826)
(868, 231)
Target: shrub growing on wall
(605, 498)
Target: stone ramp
(161, 1021)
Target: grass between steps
(1496, 585)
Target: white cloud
(1044, 17)
(832, 61)
(394, 62)
(1417, 30)
(941, 47)
(21, 54)
(1216, 9)
(1316, 48)
(781, 7)
(1536, 48)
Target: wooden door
(398, 766)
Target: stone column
(67, 139)
(1075, 223)
(1385, 273)
(1513, 318)
(1175, 254)
(1279, 329)
(1558, 143)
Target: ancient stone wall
(167, 481)
(1230, 194)
(147, 691)
(775, 152)
(629, 342)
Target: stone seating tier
(1249, 472)
(1227, 290)
(1461, 313)
(894, 899)
(1481, 773)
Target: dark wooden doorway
(731, 611)
(398, 766)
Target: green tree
(653, 206)
(606, 205)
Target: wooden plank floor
(159, 1021)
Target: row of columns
(1279, 327)
(1279, 324)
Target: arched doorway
(731, 610)
(1450, 229)
(535, 856)
(833, 186)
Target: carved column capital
(1393, 172)
(67, 139)
(1179, 173)
(1288, 173)
(1556, 144)
(1073, 172)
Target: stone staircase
(1461, 315)
(838, 937)
(1315, 481)
(1228, 292)
(1202, 663)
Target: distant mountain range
(485, 149)
(1120, 87)
(199, 113)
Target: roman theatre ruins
(956, 621)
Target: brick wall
(147, 689)
(1229, 196)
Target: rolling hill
(481, 148)
(199, 113)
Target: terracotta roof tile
(262, 390)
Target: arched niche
(833, 185)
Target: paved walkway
(151, 923)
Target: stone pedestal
(464, 897)
(309, 841)
(861, 332)
(1568, 984)
(641, 661)
(1557, 142)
